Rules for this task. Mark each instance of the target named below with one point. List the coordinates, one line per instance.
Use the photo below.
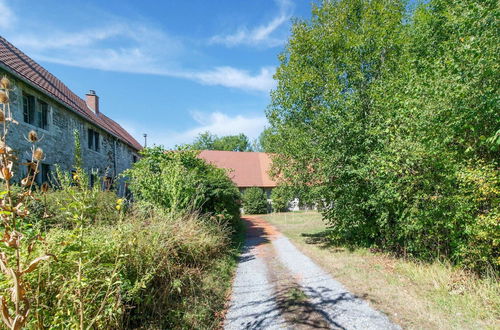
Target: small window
(29, 108)
(134, 159)
(93, 140)
(35, 111)
(92, 179)
(42, 114)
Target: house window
(93, 139)
(42, 114)
(35, 111)
(29, 108)
(134, 159)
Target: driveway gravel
(278, 287)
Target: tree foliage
(254, 201)
(392, 116)
(209, 141)
(179, 181)
(281, 196)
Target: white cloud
(260, 35)
(231, 77)
(127, 46)
(215, 122)
(7, 16)
(220, 124)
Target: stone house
(41, 102)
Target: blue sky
(171, 69)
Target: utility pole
(145, 140)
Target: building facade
(41, 102)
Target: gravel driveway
(278, 287)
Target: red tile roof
(15, 61)
(248, 169)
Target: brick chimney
(92, 101)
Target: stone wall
(57, 139)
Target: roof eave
(61, 102)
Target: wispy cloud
(231, 77)
(223, 124)
(260, 35)
(215, 122)
(126, 46)
(7, 16)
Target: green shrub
(178, 181)
(281, 197)
(254, 201)
(149, 269)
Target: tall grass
(147, 269)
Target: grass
(144, 269)
(413, 294)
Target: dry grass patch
(415, 295)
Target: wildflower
(4, 99)
(5, 82)
(38, 154)
(6, 173)
(32, 136)
(119, 203)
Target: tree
(209, 141)
(238, 142)
(391, 116)
(265, 140)
(320, 112)
(180, 181)
(254, 201)
(204, 141)
(281, 196)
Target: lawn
(415, 295)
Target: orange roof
(15, 61)
(247, 169)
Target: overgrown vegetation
(178, 181)
(145, 268)
(17, 257)
(121, 265)
(254, 201)
(391, 116)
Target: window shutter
(44, 114)
(96, 136)
(31, 109)
(90, 138)
(25, 109)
